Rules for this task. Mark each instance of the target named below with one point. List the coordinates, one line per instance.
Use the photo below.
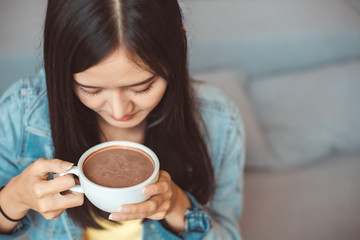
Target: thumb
(45, 166)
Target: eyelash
(91, 94)
(145, 91)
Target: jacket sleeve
(226, 206)
(11, 134)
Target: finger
(158, 214)
(156, 188)
(56, 185)
(161, 211)
(164, 175)
(53, 214)
(162, 186)
(69, 200)
(127, 217)
(44, 166)
(148, 206)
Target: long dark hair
(79, 34)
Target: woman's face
(119, 91)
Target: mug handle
(74, 170)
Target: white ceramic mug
(110, 199)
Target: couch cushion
(265, 36)
(310, 115)
(320, 202)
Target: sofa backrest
(270, 36)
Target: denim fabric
(26, 136)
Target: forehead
(116, 69)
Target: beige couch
(293, 68)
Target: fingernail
(124, 209)
(66, 165)
(114, 217)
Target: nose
(120, 104)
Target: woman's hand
(32, 190)
(167, 201)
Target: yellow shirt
(126, 230)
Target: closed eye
(88, 93)
(145, 91)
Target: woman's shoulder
(211, 99)
(24, 87)
(222, 122)
(28, 97)
(217, 111)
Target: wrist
(11, 203)
(175, 218)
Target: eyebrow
(132, 85)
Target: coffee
(118, 167)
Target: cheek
(153, 99)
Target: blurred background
(293, 69)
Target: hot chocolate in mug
(114, 173)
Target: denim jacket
(26, 136)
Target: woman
(117, 70)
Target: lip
(123, 119)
